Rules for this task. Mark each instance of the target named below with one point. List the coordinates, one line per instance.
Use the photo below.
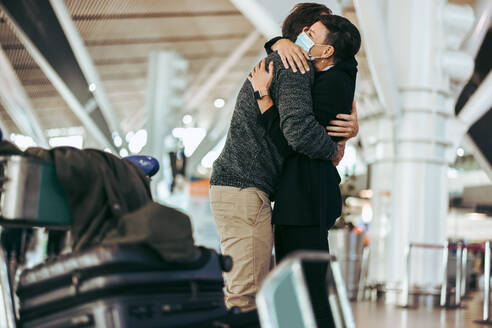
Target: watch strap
(261, 93)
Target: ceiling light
(476, 216)
(22, 141)
(92, 87)
(191, 138)
(452, 173)
(76, 141)
(117, 140)
(366, 214)
(187, 119)
(460, 152)
(123, 152)
(129, 136)
(138, 141)
(219, 103)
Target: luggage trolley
(30, 197)
(105, 286)
(284, 301)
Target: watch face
(257, 95)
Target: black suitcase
(123, 286)
(136, 311)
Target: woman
(333, 92)
(307, 200)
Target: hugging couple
(292, 118)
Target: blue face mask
(305, 42)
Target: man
(245, 175)
(303, 15)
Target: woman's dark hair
(302, 15)
(343, 36)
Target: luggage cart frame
(486, 286)
(291, 268)
(20, 206)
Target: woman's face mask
(305, 42)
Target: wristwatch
(261, 93)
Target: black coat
(301, 197)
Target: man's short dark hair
(343, 36)
(302, 15)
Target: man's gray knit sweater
(249, 157)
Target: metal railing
(7, 311)
(486, 286)
(486, 283)
(460, 274)
(364, 271)
(464, 270)
(295, 307)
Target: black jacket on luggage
(110, 202)
(100, 188)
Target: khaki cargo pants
(243, 219)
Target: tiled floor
(367, 314)
(378, 315)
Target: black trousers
(288, 239)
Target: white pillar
(409, 166)
(379, 232)
(376, 132)
(423, 37)
(166, 86)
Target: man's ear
(305, 29)
(328, 52)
